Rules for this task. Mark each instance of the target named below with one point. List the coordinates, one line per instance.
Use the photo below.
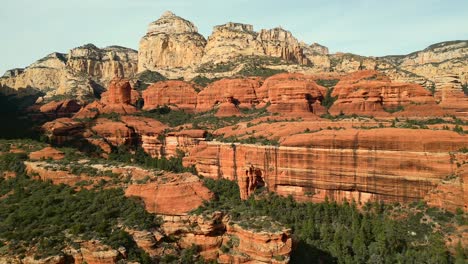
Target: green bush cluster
(48, 217)
(340, 233)
(140, 157)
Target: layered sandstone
(64, 108)
(280, 43)
(103, 64)
(363, 165)
(63, 129)
(115, 133)
(170, 93)
(93, 252)
(292, 94)
(242, 244)
(148, 131)
(232, 40)
(170, 41)
(241, 91)
(183, 140)
(171, 194)
(448, 91)
(44, 171)
(118, 97)
(372, 93)
(77, 74)
(47, 153)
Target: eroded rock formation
(177, 94)
(171, 41)
(76, 74)
(363, 165)
(292, 94)
(372, 93)
(241, 91)
(171, 194)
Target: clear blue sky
(35, 28)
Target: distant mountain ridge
(174, 48)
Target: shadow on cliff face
(305, 253)
(14, 121)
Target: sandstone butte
(119, 98)
(171, 93)
(372, 93)
(241, 91)
(170, 41)
(171, 194)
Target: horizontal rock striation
(366, 165)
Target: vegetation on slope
(46, 218)
(340, 233)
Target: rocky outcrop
(372, 93)
(280, 43)
(171, 194)
(294, 94)
(228, 108)
(63, 130)
(77, 74)
(103, 64)
(47, 153)
(239, 243)
(93, 252)
(177, 94)
(148, 132)
(232, 40)
(115, 133)
(118, 98)
(318, 49)
(451, 192)
(170, 41)
(363, 165)
(448, 91)
(64, 108)
(240, 91)
(42, 170)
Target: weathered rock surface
(103, 64)
(76, 74)
(372, 93)
(47, 153)
(116, 133)
(174, 194)
(171, 41)
(232, 40)
(64, 108)
(294, 94)
(363, 165)
(244, 245)
(448, 91)
(170, 93)
(93, 252)
(63, 129)
(242, 91)
(280, 43)
(183, 140)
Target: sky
(32, 28)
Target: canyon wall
(364, 165)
